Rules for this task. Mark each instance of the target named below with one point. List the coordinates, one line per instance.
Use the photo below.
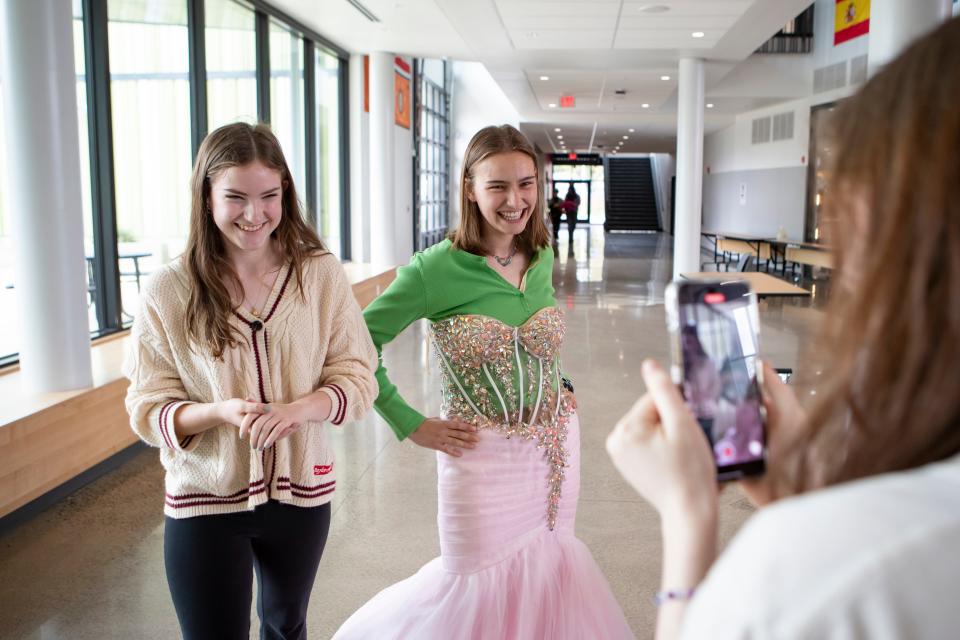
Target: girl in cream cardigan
(244, 349)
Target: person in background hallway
(243, 349)
(555, 205)
(508, 438)
(571, 206)
(861, 535)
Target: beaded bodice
(508, 378)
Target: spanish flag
(852, 19)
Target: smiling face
(246, 201)
(504, 186)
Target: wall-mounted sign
(401, 85)
(567, 102)
(851, 20)
(576, 158)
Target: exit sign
(567, 101)
(571, 156)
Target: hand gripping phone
(714, 330)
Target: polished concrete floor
(92, 566)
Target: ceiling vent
(831, 77)
(783, 126)
(760, 132)
(369, 15)
(858, 70)
(621, 92)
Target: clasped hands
(265, 423)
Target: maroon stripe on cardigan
(189, 496)
(283, 480)
(342, 410)
(256, 357)
(280, 295)
(312, 495)
(162, 423)
(203, 503)
(273, 465)
(303, 487)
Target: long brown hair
(488, 141)
(211, 306)
(890, 344)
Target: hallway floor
(92, 566)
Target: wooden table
(745, 245)
(763, 284)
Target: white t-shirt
(878, 558)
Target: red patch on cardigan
(322, 469)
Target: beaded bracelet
(671, 595)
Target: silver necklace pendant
(505, 262)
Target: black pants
(571, 223)
(555, 220)
(210, 563)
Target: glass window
(151, 136)
(85, 183)
(287, 100)
(328, 149)
(231, 50)
(9, 327)
(432, 144)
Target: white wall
(361, 151)
(359, 165)
(477, 102)
(403, 182)
(664, 168)
(774, 174)
(824, 51)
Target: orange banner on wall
(852, 19)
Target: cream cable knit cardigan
(307, 342)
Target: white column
(894, 24)
(359, 165)
(686, 240)
(383, 209)
(43, 153)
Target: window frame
(105, 264)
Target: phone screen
(719, 347)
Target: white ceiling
(589, 49)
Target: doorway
(583, 188)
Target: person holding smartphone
(859, 534)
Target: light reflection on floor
(92, 566)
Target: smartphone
(715, 344)
(785, 374)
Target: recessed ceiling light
(654, 8)
(544, 78)
(664, 77)
(709, 105)
(532, 34)
(559, 137)
(552, 105)
(645, 105)
(626, 137)
(698, 34)
(558, 129)
(630, 130)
